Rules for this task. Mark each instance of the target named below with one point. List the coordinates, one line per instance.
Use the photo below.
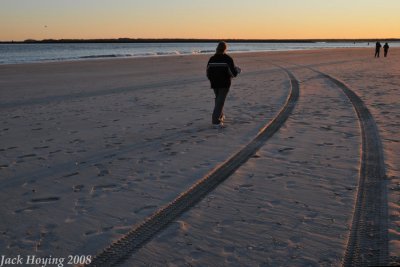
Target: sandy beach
(90, 149)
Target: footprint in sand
(91, 232)
(325, 144)
(70, 174)
(27, 156)
(102, 126)
(164, 149)
(27, 209)
(55, 151)
(285, 149)
(168, 144)
(279, 244)
(78, 188)
(37, 201)
(81, 206)
(243, 187)
(124, 158)
(76, 141)
(290, 184)
(97, 190)
(246, 185)
(171, 129)
(44, 200)
(107, 187)
(3, 166)
(114, 136)
(103, 171)
(40, 147)
(96, 232)
(142, 209)
(109, 156)
(326, 128)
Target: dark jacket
(386, 47)
(220, 71)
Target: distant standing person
(377, 49)
(385, 49)
(220, 71)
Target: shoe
(218, 126)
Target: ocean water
(31, 53)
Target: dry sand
(90, 148)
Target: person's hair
(221, 48)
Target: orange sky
(258, 19)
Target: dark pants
(386, 51)
(220, 96)
(377, 52)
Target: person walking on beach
(377, 49)
(220, 71)
(385, 49)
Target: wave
(167, 53)
(207, 51)
(145, 54)
(106, 56)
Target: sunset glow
(252, 19)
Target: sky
(210, 19)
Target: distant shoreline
(178, 40)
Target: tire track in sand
(368, 241)
(144, 232)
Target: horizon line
(193, 40)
